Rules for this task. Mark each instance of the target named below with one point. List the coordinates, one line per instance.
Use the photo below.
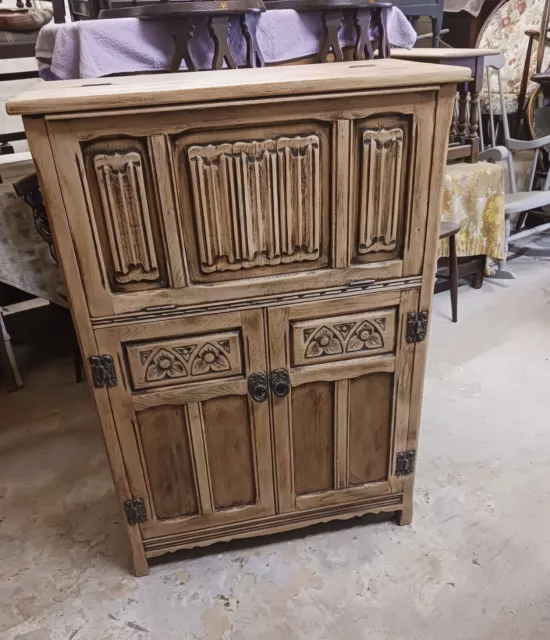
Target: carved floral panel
(380, 189)
(257, 203)
(343, 337)
(184, 360)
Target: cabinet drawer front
(342, 337)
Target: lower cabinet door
(341, 373)
(196, 445)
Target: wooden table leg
(453, 276)
(219, 30)
(473, 128)
(462, 129)
(182, 32)
(363, 46)
(7, 357)
(453, 131)
(383, 42)
(254, 56)
(332, 21)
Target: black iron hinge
(417, 326)
(404, 464)
(135, 511)
(103, 371)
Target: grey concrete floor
(475, 563)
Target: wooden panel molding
(380, 189)
(343, 337)
(257, 203)
(183, 360)
(118, 182)
(163, 432)
(123, 193)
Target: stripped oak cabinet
(249, 257)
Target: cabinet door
(196, 446)
(345, 417)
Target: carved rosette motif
(380, 189)
(343, 337)
(176, 361)
(256, 203)
(122, 187)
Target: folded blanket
(95, 48)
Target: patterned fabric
(506, 33)
(474, 197)
(25, 260)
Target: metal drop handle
(280, 383)
(257, 387)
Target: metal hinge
(404, 465)
(135, 511)
(417, 326)
(103, 371)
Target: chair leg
(6, 354)
(453, 276)
(437, 23)
(477, 280)
(521, 221)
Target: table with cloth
(96, 48)
(474, 197)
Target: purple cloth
(96, 48)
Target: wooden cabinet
(250, 275)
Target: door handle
(257, 387)
(280, 383)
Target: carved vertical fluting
(256, 203)
(380, 187)
(127, 217)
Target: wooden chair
(518, 202)
(505, 30)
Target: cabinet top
(184, 88)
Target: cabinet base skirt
(273, 524)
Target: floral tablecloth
(474, 197)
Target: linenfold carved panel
(380, 189)
(257, 203)
(343, 337)
(124, 200)
(184, 360)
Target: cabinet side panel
(165, 443)
(370, 404)
(229, 448)
(313, 435)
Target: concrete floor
(474, 565)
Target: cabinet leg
(140, 566)
(405, 516)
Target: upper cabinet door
(391, 156)
(340, 384)
(258, 200)
(178, 208)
